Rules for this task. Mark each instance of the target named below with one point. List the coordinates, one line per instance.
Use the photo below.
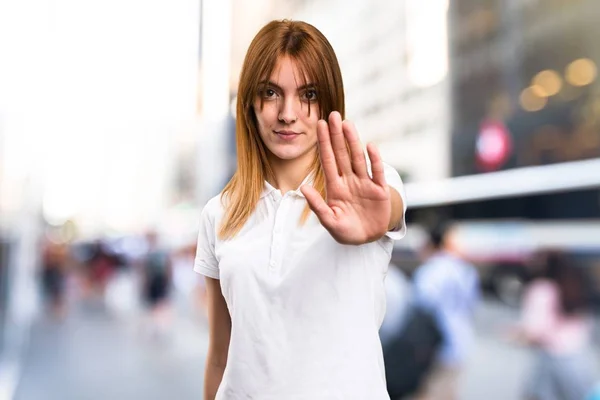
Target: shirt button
(272, 264)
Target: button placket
(276, 242)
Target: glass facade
(530, 67)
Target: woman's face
(287, 122)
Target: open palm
(357, 207)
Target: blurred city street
(96, 354)
(119, 121)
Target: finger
(326, 152)
(376, 165)
(338, 143)
(357, 154)
(318, 205)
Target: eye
(310, 95)
(268, 93)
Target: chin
(287, 155)
(288, 152)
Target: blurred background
(116, 126)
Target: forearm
(219, 323)
(397, 209)
(213, 375)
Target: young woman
(296, 247)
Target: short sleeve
(206, 263)
(392, 178)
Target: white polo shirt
(305, 310)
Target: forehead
(289, 72)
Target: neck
(289, 174)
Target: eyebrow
(276, 86)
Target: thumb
(318, 205)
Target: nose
(287, 111)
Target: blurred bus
(503, 218)
(502, 251)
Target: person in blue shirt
(448, 286)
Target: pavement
(98, 354)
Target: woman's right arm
(219, 323)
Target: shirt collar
(268, 188)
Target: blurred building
(20, 183)
(91, 96)
(525, 135)
(532, 66)
(525, 103)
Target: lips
(286, 135)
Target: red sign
(493, 146)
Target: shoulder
(433, 269)
(214, 208)
(424, 270)
(389, 171)
(467, 267)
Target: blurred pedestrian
(101, 267)
(296, 298)
(54, 277)
(157, 282)
(556, 323)
(448, 286)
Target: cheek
(262, 120)
(267, 117)
(312, 120)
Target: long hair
(318, 64)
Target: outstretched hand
(357, 207)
